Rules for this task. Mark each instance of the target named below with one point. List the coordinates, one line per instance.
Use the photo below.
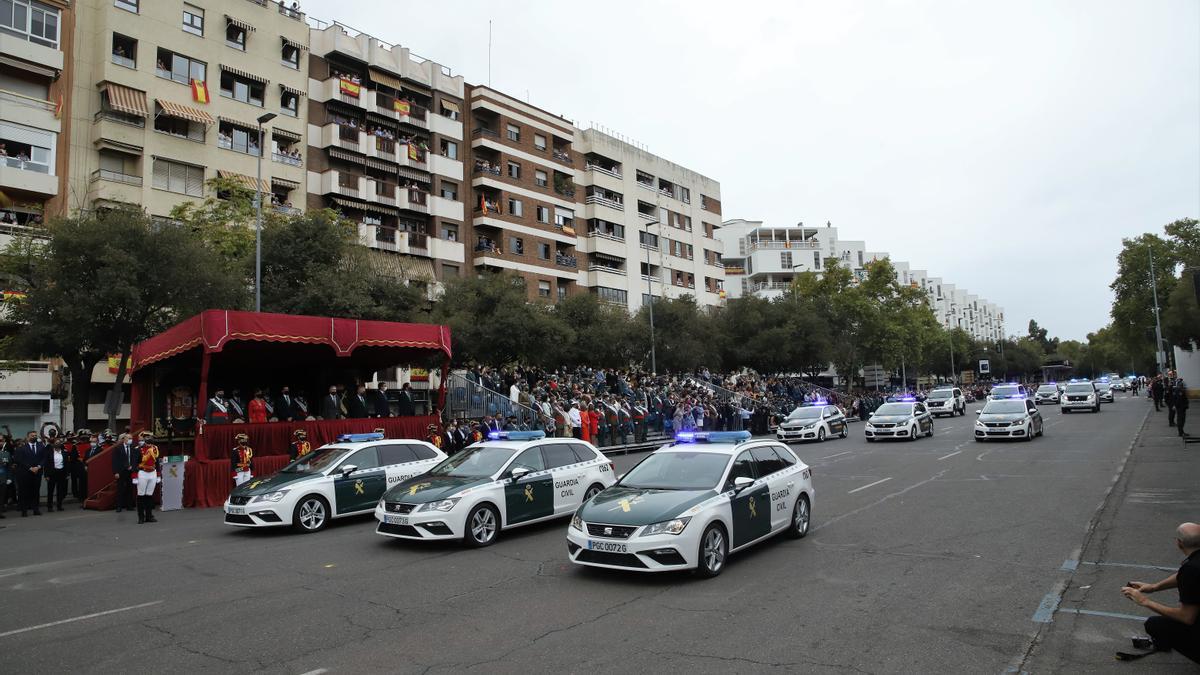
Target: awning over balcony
(249, 182)
(283, 182)
(450, 105)
(126, 100)
(290, 90)
(383, 78)
(365, 206)
(338, 153)
(242, 73)
(380, 165)
(286, 135)
(240, 24)
(185, 112)
(400, 266)
(298, 45)
(414, 174)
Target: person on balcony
(258, 408)
(285, 405)
(356, 403)
(217, 411)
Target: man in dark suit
(285, 405)
(29, 461)
(379, 402)
(406, 406)
(330, 405)
(356, 403)
(124, 458)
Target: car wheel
(1064, 410)
(801, 517)
(483, 523)
(979, 439)
(845, 431)
(930, 429)
(592, 491)
(311, 514)
(821, 435)
(1041, 430)
(912, 433)
(713, 551)
(1029, 433)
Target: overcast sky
(1006, 146)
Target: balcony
(566, 261)
(385, 193)
(28, 176)
(340, 183)
(782, 245)
(594, 267)
(772, 286)
(481, 169)
(290, 160)
(27, 377)
(383, 148)
(116, 177)
(646, 216)
(286, 210)
(600, 169)
(604, 201)
(346, 91)
(562, 156)
(294, 14)
(484, 132)
(412, 156)
(413, 199)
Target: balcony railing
(286, 210)
(645, 216)
(648, 186)
(290, 13)
(600, 169)
(605, 268)
(119, 118)
(287, 159)
(605, 235)
(604, 201)
(116, 177)
(124, 61)
(782, 245)
(24, 164)
(562, 156)
(484, 131)
(566, 261)
(772, 286)
(416, 196)
(494, 170)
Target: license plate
(395, 520)
(237, 511)
(608, 546)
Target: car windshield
(1103, 385)
(941, 394)
(1047, 389)
(1003, 407)
(677, 471)
(1001, 392)
(316, 461)
(1079, 388)
(809, 413)
(894, 409)
(479, 460)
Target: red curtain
(207, 483)
(273, 438)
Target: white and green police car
(690, 504)
(812, 422)
(511, 479)
(344, 478)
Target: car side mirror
(348, 469)
(741, 483)
(979, 412)
(520, 472)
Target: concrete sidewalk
(1085, 620)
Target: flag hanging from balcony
(200, 91)
(402, 107)
(58, 107)
(483, 204)
(414, 152)
(349, 88)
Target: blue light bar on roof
(516, 435)
(360, 438)
(1016, 396)
(819, 401)
(712, 436)
(907, 399)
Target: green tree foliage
(683, 335)
(1181, 320)
(493, 322)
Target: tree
(492, 322)
(1133, 303)
(845, 310)
(106, 280)
(683, 335)
(600, 334)
(1181, 320)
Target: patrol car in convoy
(1080, 395)
(1047, 394)
(1010, 390)
(946, 401)
(513, 478)
(1104, 390)
(691, 504)
(906, 418)
(1009, 418)
(813, 422)
(344, 478)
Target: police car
(1080, 395)
(1047, 393)
(812, 422)
(691, 504)
(1009, 418)
(344, 478)
(514, 478)
(1104, 390)
(947, 401)
(906, 418)
(1010, 390)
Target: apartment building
(170, 94)
(36, 49)
(524, 195)
(651, 225)
(385, 148)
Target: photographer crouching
(1175, 628)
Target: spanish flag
(200, 91)
(402, 107)
(13, 295)
(414, 152)
(349, 88)
(483, 204)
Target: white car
(1009, 418)
(344, 478)
(514, 478)
(1010, 390)
(906, 418)
(814, 422)
(946, 401)
(1047, 394)
(1080, 395)
(690, 504)
(1104, 391)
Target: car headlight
(577, 521)
(1091, 397)
(440, 505)
(674, 526)
(1019, 423)
(272, 497)
(980, 425)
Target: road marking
(318, 671)
(79, 618)
(837, 455)
(877, 502)
(949, 455)
(1069, 565)
(1144, 567)
(1111, 615)
(869, 485)
(1045, 611)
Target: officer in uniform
(639, 423)
(434, 437)
(148, 476)
(299, 447)
(241, 460)
(624, 420)
(83, 448)
(6, 482)
(1179, 397)
(218, 408)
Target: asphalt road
(929, 556)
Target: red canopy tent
(225, 344)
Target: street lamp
(650, 292)
(258, 197)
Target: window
(785, 260)
(614, 295)
(124, 51)
(178, 177)
(193, 19)
(817, 259)
(235, 36)
(562, 291)
(582, 454)
(514, 133)
(28, 149)
(363, 460)
(128, 5)
(176, 126)
(543, 250)
(743, 467)
(785, 456)
(290, 56)
(238, 139)
(449, 149)
(422, 452)
(514, 170)
(558, 455)
(530, 459)
(543, 214)
(766, 459)
(564, 218)
(449, 232)
(30, 20)
(539, 142)
(540, 178)
(543, 289)
(648, 240)
(449, 271)
(516, 246)
(180, 68)
(515, 208)
(242, 89)
(395, 454)
(449, 190)
(289, 103)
